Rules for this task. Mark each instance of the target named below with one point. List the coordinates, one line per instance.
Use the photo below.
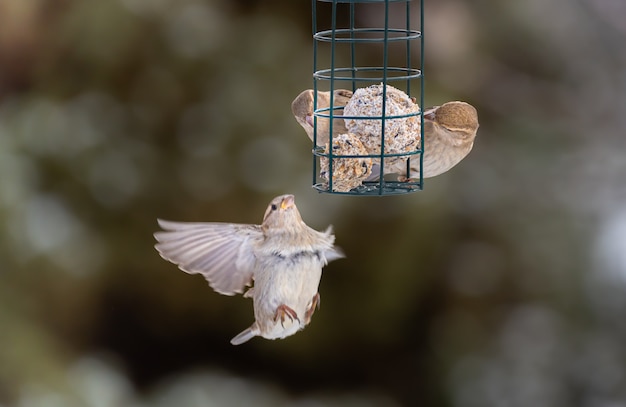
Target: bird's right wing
(221, 252)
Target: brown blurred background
(503, 283)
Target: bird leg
(315, 303)
(281, 311)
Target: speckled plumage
(283, 256)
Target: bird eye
(274, 207)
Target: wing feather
(222, 252)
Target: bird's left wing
(222, 252)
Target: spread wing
(221, 252)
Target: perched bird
(449, 133)
(283, 256)
(302, 109)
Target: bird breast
(291, 279)
(442, 151)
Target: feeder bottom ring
(375, 188)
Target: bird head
(457, 117)
(303, 109)
(282, 213)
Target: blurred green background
(503, 283)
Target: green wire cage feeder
(368, 136)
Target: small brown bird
(302, 109)
(449, 133)
(283, 256)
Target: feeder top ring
(358, 35)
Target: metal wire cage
(350, 55)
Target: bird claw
(315, 304)
(282, 311)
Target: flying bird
(283, 257)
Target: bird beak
(430, 114)
(287, 202)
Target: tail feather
(244, 336)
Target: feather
(221, 252)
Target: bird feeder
(368, 133)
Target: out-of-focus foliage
(503, 283)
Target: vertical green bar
(381, 179)
(408, 46)
(422, 92)
(408, 70)
(314, 23)
(353, 45)
(332, 90)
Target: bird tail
(244, 336)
